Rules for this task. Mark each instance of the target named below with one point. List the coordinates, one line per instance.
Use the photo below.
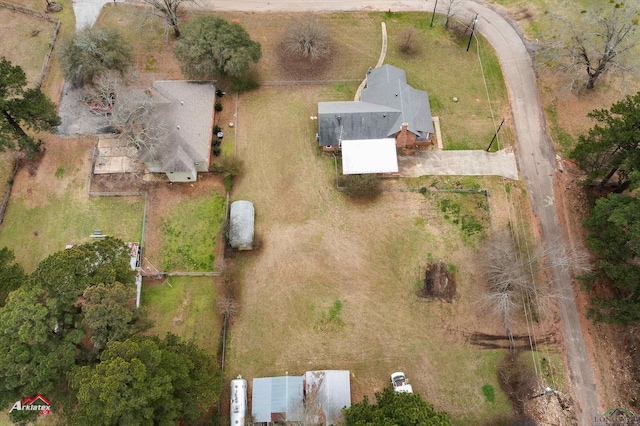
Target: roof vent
(396, 94)
(181, 102)
(178, 127)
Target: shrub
(217, 128)
(408, 41)
(218, 106)
(216, 143)
(307, 38)
(216, 149)
(361, 186)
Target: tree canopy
(34, 358)
(22, 109)
(65, 275)
(109, 313)
(168, 11)
(12, 275)
(92, 52)
(611, 146)
(210, 47)
(394, 409)
(147, 381)
(615, 239)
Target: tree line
(609, 155)
(70, 331)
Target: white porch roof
(369, 156)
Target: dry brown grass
(26, 33)
(319, 247)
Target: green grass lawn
(34, 233)
(187, 307)
(190, 233)
(469, 122)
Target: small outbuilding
(241, 225)
(277, 399)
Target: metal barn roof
(277, 399)
(369, 156)
(333, 391)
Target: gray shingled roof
(387, 103)
(186, 109)
(385, 74)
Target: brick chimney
(402, 137)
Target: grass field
(321, 251)
(187, 307)
(52, 209)
(190, 233)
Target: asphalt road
(535, 153)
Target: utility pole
(473, 28)
(434, 13)
(495, 135)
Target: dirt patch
(439, 283)
(296, 67)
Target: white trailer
(238, 401)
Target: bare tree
(510, 274)
(451, 8)
(408, 40)
(132, 113)
(597, 43)
(167, 10)
(307, 38)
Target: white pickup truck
(400, 382)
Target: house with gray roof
(186, 109)
(391, 114)
(389, 108)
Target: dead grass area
(152, 44)
(353, 51)
(28, 34)
(6, 168)
(338, 279)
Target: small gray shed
(241, 223)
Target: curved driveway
(536, 156)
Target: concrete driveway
(458, 163)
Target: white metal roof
(369, 156)
(332, 391)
